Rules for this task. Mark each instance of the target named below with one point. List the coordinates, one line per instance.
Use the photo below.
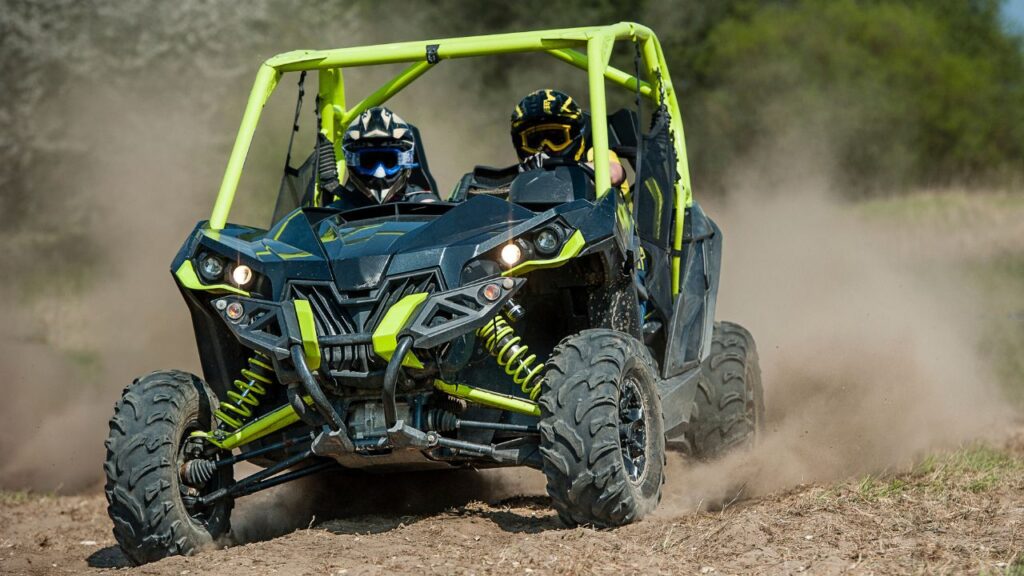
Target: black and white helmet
(380, 153)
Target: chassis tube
(287, 443)
(262, 479)
(475, 425)
(313, 389)
(299, 406)
(520, 455)
(391, 380)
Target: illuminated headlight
(241, 275)
(547, 241)
(211, 268)
(511, 254)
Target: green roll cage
(563, 44)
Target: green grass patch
(873, 488)
(9, 497)
(976, 468)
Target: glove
(533, 162)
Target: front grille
(333, 319)
(338, 313)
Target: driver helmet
(550, 122)
(380, 153)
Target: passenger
(548, 123)
(380, 154)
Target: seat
(420, 175)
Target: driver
(548, 123)
(380, 154)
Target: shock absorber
(238, 407)
(501, 341)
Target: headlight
(241, 275)
(211, 268)
(547, 241)
(511, 254)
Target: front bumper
(273, 328)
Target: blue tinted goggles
(380, 162)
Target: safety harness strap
(288, 170)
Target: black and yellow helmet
(549, 121)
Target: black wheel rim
(633, 430)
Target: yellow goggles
(545, 138)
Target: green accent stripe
(573, 246)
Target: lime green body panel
(307, 326)
(385, 337)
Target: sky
(1013, 10)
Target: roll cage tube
(561, 44)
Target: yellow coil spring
(501, 341)
(237, 409)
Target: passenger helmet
(551, 122)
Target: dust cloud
(869, 354)
(76, 345)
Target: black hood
(363, 246)
(357, 249)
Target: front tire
(146, 498)
(602, 434)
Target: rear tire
(729, 411)
(602, 434)
(151, 421)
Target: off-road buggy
(539, 318)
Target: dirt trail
(955, 514)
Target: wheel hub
(632, 430)
(196, 476)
